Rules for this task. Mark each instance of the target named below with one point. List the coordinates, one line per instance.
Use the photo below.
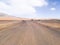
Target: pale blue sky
(47, 12)
(31, 8)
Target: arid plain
(30, 32)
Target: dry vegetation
(54, 25)
(6, 23)
(51, 23)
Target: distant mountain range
(4, 16)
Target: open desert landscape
(29, 22)
(30, 32)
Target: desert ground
(30, 32)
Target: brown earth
(28, 32)
(12, 18)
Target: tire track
(49, 37)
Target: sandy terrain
(51, 23)
(12, 18)
(28, 32)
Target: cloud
(53, 9)
(22, 8)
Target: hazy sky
(31, 8)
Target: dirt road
(29, 33)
